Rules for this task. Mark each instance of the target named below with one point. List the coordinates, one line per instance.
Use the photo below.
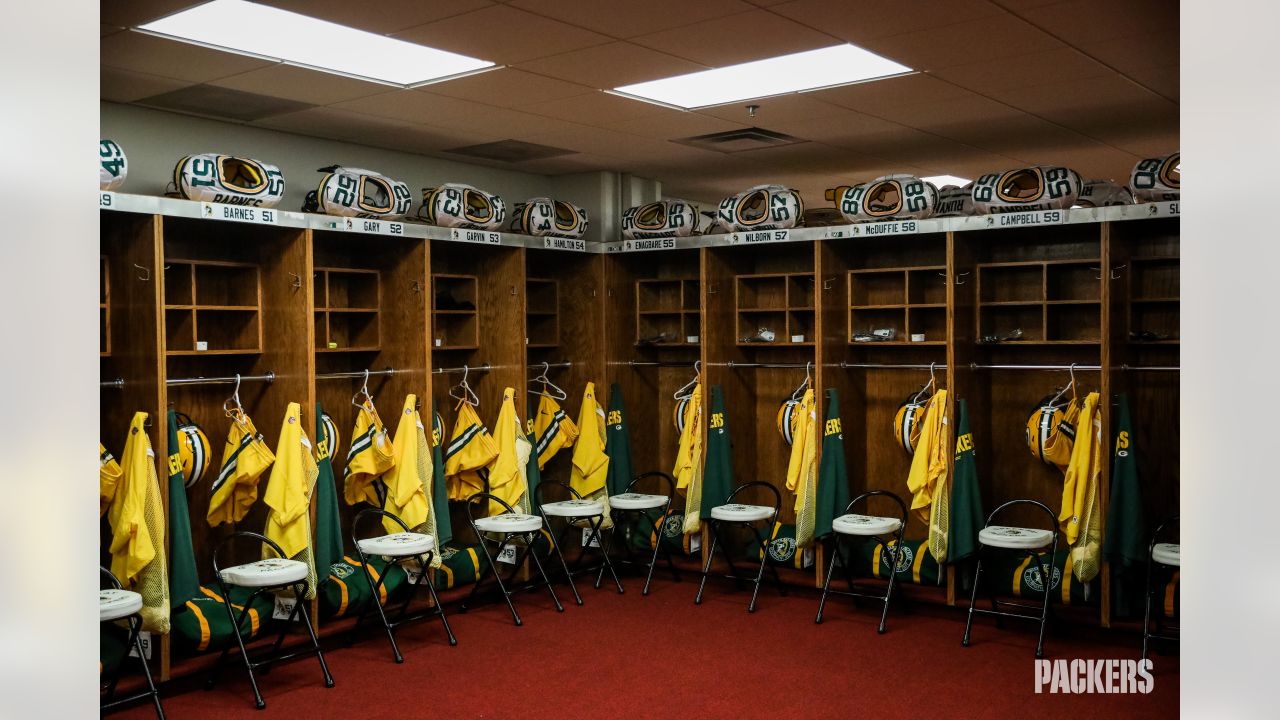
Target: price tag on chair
(144, 638)
(586, 535)
(508, 555)
(283, 608)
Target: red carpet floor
(661, 656)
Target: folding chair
(115, 603)
(264, 576)
(1168, 555)
(398, 548)
(866, 526)
(633, 506)
(1031, 542)
(509, 525)
(573, 511)
(737, 514)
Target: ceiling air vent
(736, 141)
(220, 102)
(511, 151)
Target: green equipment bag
(459, 566)
(642, 534)
(111, 646)
(1011, 573)
(782, 549)
(345, 591)
(201, 624)
(916, 564)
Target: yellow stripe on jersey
(470, 450)
(553, 429)
(244, 459)
(370, 455)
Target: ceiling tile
(124, 86)
(301, 84)
(626, 18)
(369, 130)
(595, 108)
(1039, 68)
(599, 141)
(774, 110)
(1085, 21)
(506, 87)
(106, 30)
(138, 12)
(987, 38)
(169, 58)
(503, 35)
(883, 96)
(719, 42)
(675, 125)
(567, 164)
(420, 107)
(604, 67)
(1095, 106)
(877, 20)
(388, 17)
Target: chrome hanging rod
(117, 384)
(538, 366)
(895, 366)
(268, 378)
(781, 365)
(470, 368)
(357, 374)
(654, 363)
(1066, 368)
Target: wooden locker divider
(282, 257)
(499, 281)
(388, 276)
(781, 280)
(577, 310)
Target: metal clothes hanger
(798, 393)
(549, 388)
(468, 395)
(363, 391)
(231, 406)
(933, 382)
(686, 392)
(1069, 386)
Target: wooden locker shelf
(455, 328)
(347, 303)
(1053, 302)
(218, 302)
(542, 313)
(669, 306)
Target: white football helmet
(226, 179)
(1157, 179)
(544, 216)
(955, 201)
(352, 192)
(1035, 188)
(662, 219)
(1103, 193)
(462, 206)
(763, 207)
(113, 166)
(891, 197)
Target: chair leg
(604, 551)
(613, 541)
(706, 566)
(1045, 573)
(542, 571)
(973, 597)
(1146, 614)
(888, 593)
(146, 670)
(382, 615)
(568, 576)
(826, 586)
(435, 600)
(244, 653)
(301, 608)
(764, 560)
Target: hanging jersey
(545, 216)
(802, 469)
(1081, 514)
(109, 473)
(891, 197)
(552, 429)
(662, 219)
(590, 463)
(954, 201)
(1034, 188)
(467, 456)
(1051, 430)
(194, 451)
(906, 423)
(288, 496)
(409, 482)
(927, 480)
(763, 207)
(352, 192)
(688, 466)
(1157, 179)
(113, 166)
(1103, 193)
(136, 517)
(244, 459)
(370, 456)
(211, 177)
(508, 474)
(461, 206)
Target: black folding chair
(1168, 555)
(631, 507)
(738, 514)
(265, 576)
(510, 525)
(574, 511)
(398, 549)
(115, 604)
(1029, 541)
(876, 528)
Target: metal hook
(826, 283)
(416, 287)
(960, 275)
(297, 281)
(1115, 271)
(145, 278)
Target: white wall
(154, 140)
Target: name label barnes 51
(238, 213)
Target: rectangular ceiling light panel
(808, 70)
(268, 32)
